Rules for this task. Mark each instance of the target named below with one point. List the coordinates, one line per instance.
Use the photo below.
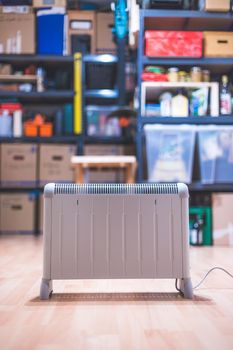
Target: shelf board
(38, 139)
(18, 78)
(46, 95)
(180, 61)
(102, 93)
(185, 14)
(188, 120)
(175, 85)
(102, 58)
(197, 186)
(22, 58)
(108, 140)
(21, 189)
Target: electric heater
(116, 231)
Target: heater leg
(186, 288)
(46, 289)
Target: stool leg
(129, 174)
(79, 174)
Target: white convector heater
(116, 231)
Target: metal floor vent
(116, 189)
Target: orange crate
(30, 129)
(46, 130)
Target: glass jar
(206, 75)
(196, 75)
(173, 74)
(182, 76)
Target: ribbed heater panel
(123, 236)
(115, 189)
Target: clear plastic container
(170, 151)
(100, 122)
(215, 144)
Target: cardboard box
(5, 69)
(217, 5)
(106, 175)
(16, 9)
(49, 3)
(222, 204)
(17, 33)
(168, 43)
(17, 212)
(82, 23)
(218, 44)
(104, 41)
(101, 150)
(18, 164)
(54, 164)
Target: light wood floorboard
(112, 315)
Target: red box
(161, 43)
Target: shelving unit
(103, 97)
(52, 97)
(181, 20)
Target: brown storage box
(217, 5)
(101, 150)
(5, 69)
(106, 175)
(222, 204)
(49, 3)
(104, 41)
(17, 213)
(54, 164)
(218, 44)
(18, 164)
(82, 23)
(17, 33)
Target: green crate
(202, 215)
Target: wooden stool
(81, 163)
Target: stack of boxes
(55, 30)
(29, 166)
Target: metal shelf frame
(204, 61)
(26, 59)
(183, 20)
(188, 120)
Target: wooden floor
(112, 315)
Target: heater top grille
(115, 189)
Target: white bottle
(17, 123)
(6, 124)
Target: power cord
(203, 279)
(213, 268)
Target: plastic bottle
(6, 124)
(40, 79)
(180, 105)
(225, 96)
(17, 123)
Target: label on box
(15, 9)
(80, 25)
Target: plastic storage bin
(100, 75)
(215, 145)
(170, 151)
(99, 122)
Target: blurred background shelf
(38, 59)
(189, 120)
(39, 139)
(36, 96)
